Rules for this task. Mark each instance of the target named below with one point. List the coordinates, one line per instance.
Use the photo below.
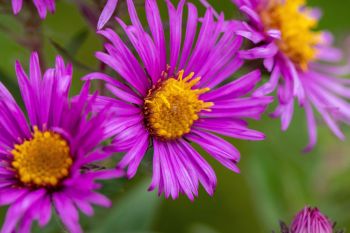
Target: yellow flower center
(44, 160)
(172, 106)
(298, 40)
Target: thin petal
(107, 13)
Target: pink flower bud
(311, 220)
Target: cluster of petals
(49, 109)
(320, 86)
(43, 6)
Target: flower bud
(311, 220)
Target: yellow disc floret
(298, 40)
(172, 106)
(43, 160)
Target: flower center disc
(172, 106)
(44, 160)
(295, 21)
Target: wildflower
(45, 161)
(175, 101)
(301, 61)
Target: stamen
(44, 160)
(299, 41)
(172, 106)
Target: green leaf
(133, 213)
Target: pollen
(298, 41)
(42, 161)
(172, 106)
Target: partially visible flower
(45, 162)
(177, 93)
(43, 6)
(299, 59)
(309, 220)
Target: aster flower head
(43, 6)
(45, 160)
(172, 95)
(310, 220)
(303, 63)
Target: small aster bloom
(309, 220)
(43, 6)
(301, 61)
(44, 162)
(176, 94)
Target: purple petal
(133, 158)
(67, 212)
(17, 6)
(205, 173)
(235, 88)
(221, 150)
(311, 125)
(107, 13)
(191, 27)
(263, 51)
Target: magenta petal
(107, 13)
(17, 6)
(67, 212)
(221, 150)
(10, 196)
(85, 207)
(234, 130)
(312, 127)
(133, 158)
(41, 7)
(264, 51)
(45, 211)
(271, 85)
(185, 175)
(192, 21)
(175, 22)
(171, 184)
(205, 173)
(19, 208)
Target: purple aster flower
(309, 220)
(173, 94)
(45, 162)
(301, 61)
(43, 6)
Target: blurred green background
(276, 178)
